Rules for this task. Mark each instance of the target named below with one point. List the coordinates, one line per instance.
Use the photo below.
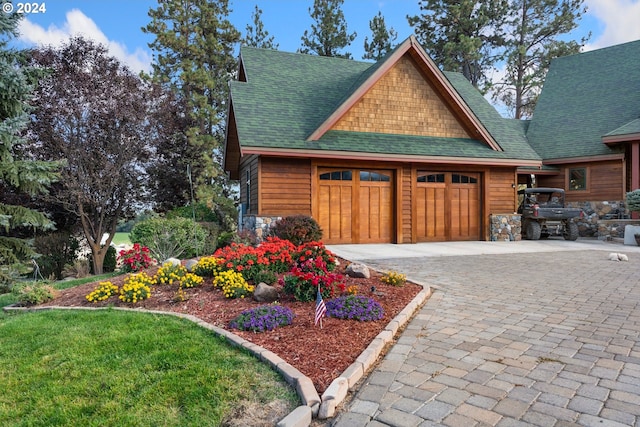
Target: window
(336, 176)
(434, 177)
(248, 184)
(577, 179)
(463, 179)
(374, 176)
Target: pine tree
(329, 33)
(462, 35)
(381, 39)
(536, 27)
(256, 35)
(20, 177)
(193, 52)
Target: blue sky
(117, 23)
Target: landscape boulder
(173, 261)
(265, 293)
(190, 264)
(358, 270)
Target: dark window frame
(578, 183)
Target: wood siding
(605, 181)
(249, 164)
(285, 186)
(501, 197)
(402, 102)
(398, 210)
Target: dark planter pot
(637, 237)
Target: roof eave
(584, 159)
(386, 157)
(617, 139)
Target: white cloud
(619, 19)
(77, 23)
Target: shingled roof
(585, 98)
(287, 101)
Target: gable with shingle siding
(402, 103)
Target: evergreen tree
(462, 35)
(193, 52)
(256, 35)
(535, 29)
(381, 39)
(21, 178)
(329, 33)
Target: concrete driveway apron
(515, 334)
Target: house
(586, 125)
(399, 151)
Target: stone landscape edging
(313, 405)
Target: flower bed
(321, 354)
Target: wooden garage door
(355, 206)
(376, 206)
(447, 206)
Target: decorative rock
(505, 227)
(358, 270)
(190, 264)
(173, 261)
(265, 293)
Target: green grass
(97, 368)
(121, 239)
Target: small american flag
(321, 309)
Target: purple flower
(355, 307)
(263, 318)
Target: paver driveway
(510, 339)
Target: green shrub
(633, 201)
(202, 213)
(56, 250)
(298, 229)
(170, 238)
(33, 293)
(225, 238)
(211, 242)
(265, 276)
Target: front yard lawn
(64, 368)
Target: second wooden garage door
(355, 206)
(447, 206)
